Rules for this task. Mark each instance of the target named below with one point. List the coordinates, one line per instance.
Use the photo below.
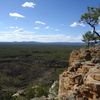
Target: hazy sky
(43, 20)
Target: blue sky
(43, 20)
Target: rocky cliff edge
(81, 81)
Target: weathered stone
(87, 55)
(96, 60)
(18, 93)
(82, 79)
(53, 91)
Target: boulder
(53, 91)
(95, 60)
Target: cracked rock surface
(81, 81)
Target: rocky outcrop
(81, 81)
(85, 55)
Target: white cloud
(16, 29)
(17, 15)
(13, 27)
(77, 24)
(56, 30)
(40, 22)
(29, 4)
(36, 28)
(47, 27)
(97, 31)
(32, 36)
(19, 30)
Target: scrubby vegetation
(90, 39)
(24, 65)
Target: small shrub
(36, 91)
(6, 96)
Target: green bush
(6, 96)
(36, 91)
(30, 93)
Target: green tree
(94, 38)
(87, 38)
(91, 17)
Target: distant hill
(45, 43)
(68, 43)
